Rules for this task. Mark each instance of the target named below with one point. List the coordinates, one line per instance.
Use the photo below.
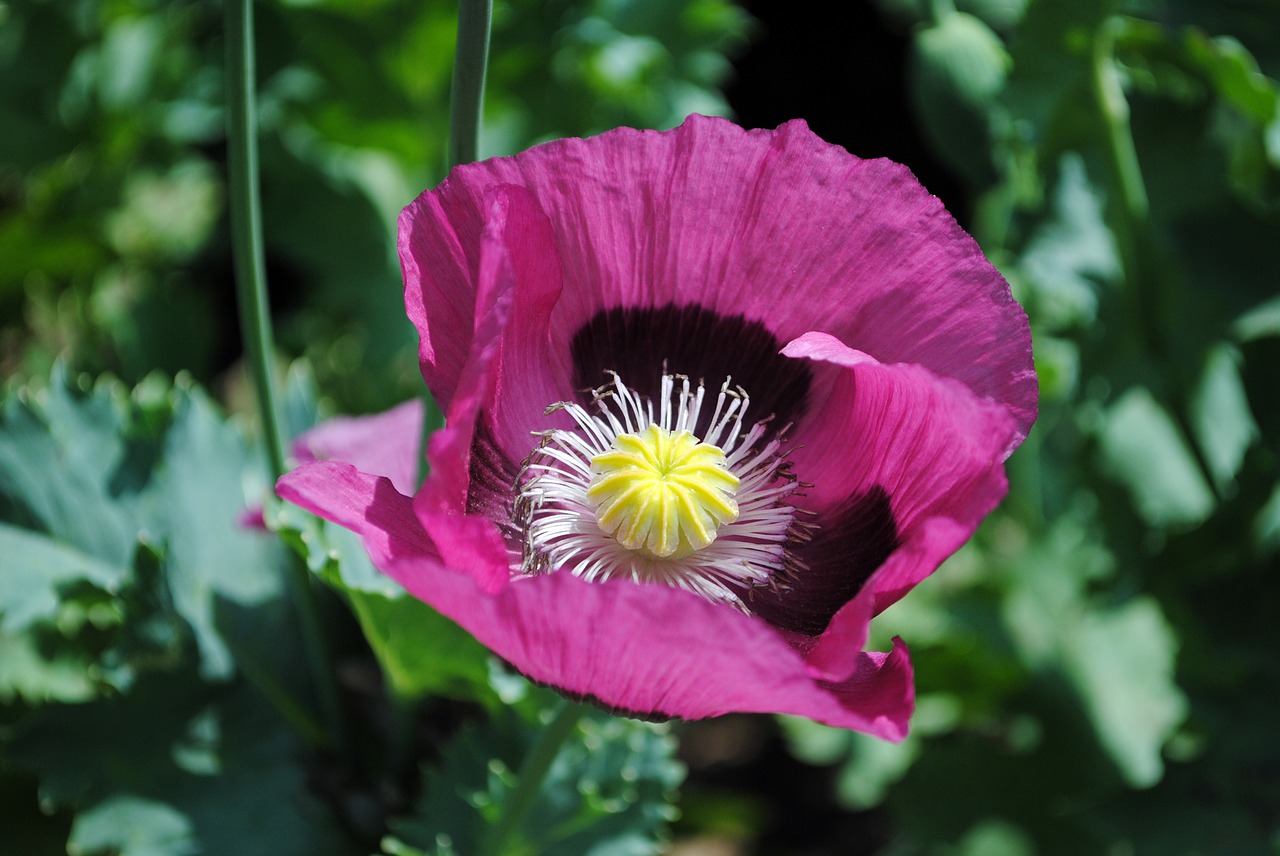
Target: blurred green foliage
(113, 230)
(1097, 670)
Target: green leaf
(1266, 526)
(421, 651)
(1221, 418)
(133, 826)
(179, 767)
(88, 475)
(35, 567)
(38, 677)
(1122, 659)
(1259, 322)
(1070, 253)
(210, 557)
(1119, 658)
(608, 790)
(869, 766)
(957, 69)
(1143, 450)
(72, 466)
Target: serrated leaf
(1143, 450)
(33, 567)
(27, 673)
(89, 476)
(199, 498)
(1070, 253)
(607, 791)
(69, 468)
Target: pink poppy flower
(801, 381)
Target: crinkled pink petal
(930, 443)
(364, 504)
(386, 443)
(908, 377)
(643, 649)
(734, 221)
(518, 285)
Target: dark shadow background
(841, 68)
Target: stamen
(629, 496)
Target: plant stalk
(255, 316)
(532, 774)
(466, 114)
(466, 97)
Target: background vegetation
(1097, 671)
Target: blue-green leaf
(607, 792)
(34, 567)
(1221, 418)
(1143, 450)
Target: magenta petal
(702, 250)
(648, 649)
(929, 443)
(385, 443)
(365, 504)
(728, 219)
(641, 649)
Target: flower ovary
(662, 493)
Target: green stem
(1131, 223)
(1139, 254)
(466, 112)
(255, 317)
(533, 772)
(466, 99)
(246, 223)
(940, 10)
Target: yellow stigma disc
(663, 494)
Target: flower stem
(255, 317)
(466, 99)
(1131, 223)
(533, 772)
(466, 112)
(1144, 278)
(940, 10)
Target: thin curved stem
(1131, 222)
(255, 316)
(533, 772)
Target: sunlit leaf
(1223, 424)
(957, 70)
(1143, 449)
(133, 826)
(33, 568)
(1071, 253)
(1123, 661)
